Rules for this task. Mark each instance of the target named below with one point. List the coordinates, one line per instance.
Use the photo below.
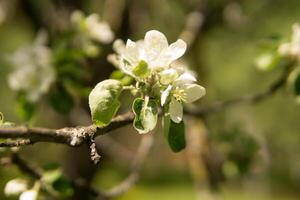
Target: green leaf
(24, 108)
(61, 100)
(141, 70)
(103, 101)
(297, 85)
(146, 113)
(174, 133)
(117, 75)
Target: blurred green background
(259, 144)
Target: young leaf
(103, 101)
(146, 113)
(120, 76)
(174, 133)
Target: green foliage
(24, 108)
(141, 70)
(61, 100)
(174, 133)
(146, 113)
(103, 101)
(120, 76)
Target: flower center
(179, 95)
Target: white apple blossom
(182, 90)
(15, 187)
(292, 48)
(156, 63)
(33, 72)
(92, 27)
(154, 50)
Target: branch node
(95, 157)
(77, 137)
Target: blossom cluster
(151, 62)
(91, 29)
(33, 72)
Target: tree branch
(73, 136)
(15, 143)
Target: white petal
(29, 195)
(155, 42)
(173, 52)
(131, 52)
(168, 76)
(99, 30)
(194, 92)
(165, 95)
(103, 33)
(15, 187)
(119, 46)
(176, 110)
(126, 68)
(185, 78)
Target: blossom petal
(131, 52)
(155, 42)
(173, 52)
(194, 92)
(103, 33)
(185, 78)
(176, 110)
(165, 95)
(119, 46)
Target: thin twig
(15, 143)
(25, 166)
